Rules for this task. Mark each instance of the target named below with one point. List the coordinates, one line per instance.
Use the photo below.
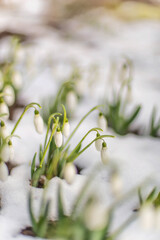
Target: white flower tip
(38, 123)
(104, 154)
(102, 122)
(58, 138)
(66, 129)
(69, 173)
(10, 95)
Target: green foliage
(152, 197)
(116, 109)
(54, 104)
(53, 159)
(154, 126)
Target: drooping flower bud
(10, 97)
(3, 130)
(17, 80)
(38, 122)
(5, 153)
(98, 143)
(147, 216)
(58, 138)
(4, 109)
(95, 216)
(80, 87)
(11, 151)
(3, 172)
(71, 101)
(116, 184)
(66, 129)
(102, 122)
(104, 155)
(69, 173)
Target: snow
(136, 157)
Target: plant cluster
(55, 157)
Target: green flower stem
(85, 116)
(48, 126)
(91, 130)
(60, 90)
(64, 117)
(100, 137)
(25, 110)
(49, 141)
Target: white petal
(147, 217)
(38, 123)
(102, 123)
(104, 155)
(4, 110)
(66, 129)
(5, 153)
(58, 139)
(10, 97)
(3, 172)
(98, 144)
(71, 101)
(4, 132)
(69, 172)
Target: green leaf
(37, 174)
(61, 213)
(33, 220)
(33, 165)
(151, 195)
(43, 222)
(157, 201)
(140, 196)
(74, 154)
(133, 115)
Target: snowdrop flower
(147, 216)
(38, 122)
(98, 143)
(11, 151)
(10, 97)
(4, 109)
(3, 130)
(17, 80)
(71, 101)
(116, 184)
(5, 153)
(80, 87)
(3, 172)
(102, 122)
(104, 155)
(95, 216)
(66, 129)
(58, 138)
(69, 173)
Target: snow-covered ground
(93, 38)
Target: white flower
(104, 155)
(3, 172)
(71, 101)
(4, 110)
(11, 151)
(116, 184)
(5, 153)
(4, 130)
(69, 172)
(66, 129)
(95, 216)
(58, 138)
(98, 143)
(147, 216)
(38, 122)
(80, 87)
(17, 80)
(102, 122)
(10, 97)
